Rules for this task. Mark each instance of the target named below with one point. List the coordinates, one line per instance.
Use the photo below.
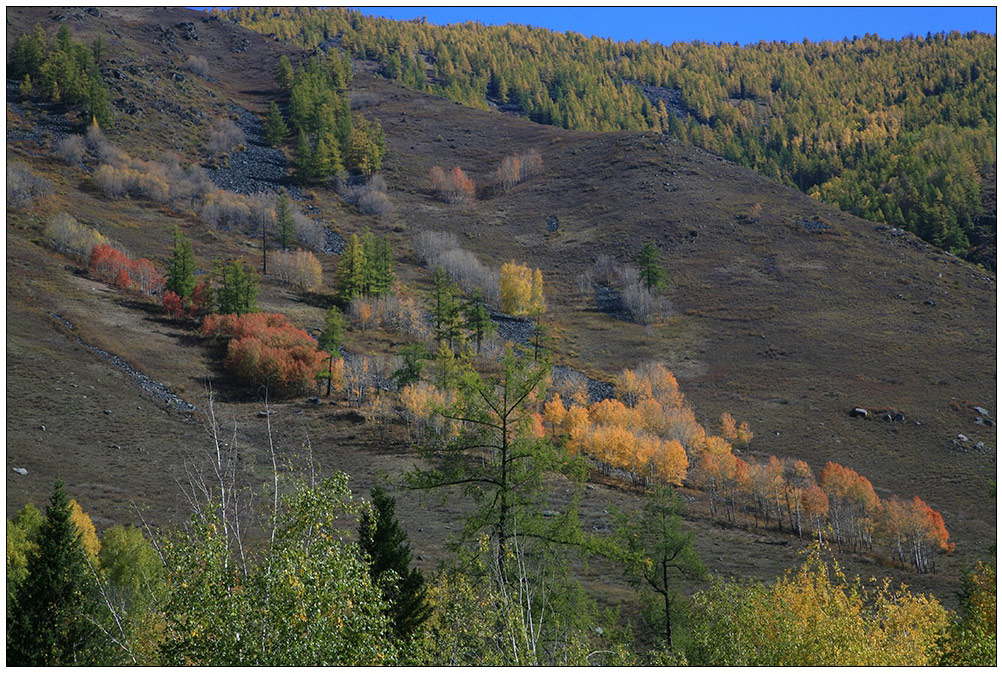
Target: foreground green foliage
(814, 617)
(309, 600)
(50, 602)
(897, 131)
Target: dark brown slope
(782, 326)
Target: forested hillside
(895, 131)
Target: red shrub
(267, 349)
(122, 280)
(113, 266)
(106, 262)
(201, 299)
(174, 305)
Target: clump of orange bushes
(113, 266)
(266, 349)
(649, 433)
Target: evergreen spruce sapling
(652, 273)
(385, 545)
(275, 128)
(330, 340)
(181, 268)
(283, 215)
(49, 621)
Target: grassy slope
(783, 328)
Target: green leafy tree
(238, 288)
(331, 338)
(514, 541)
(181, 267)
(652, 272)
(972, 640)
(384, 543)
(659, 554)
(22, 542)
(49, 621)
(306, 599)
(412, 369)
(275, 128)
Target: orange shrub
(266, 349)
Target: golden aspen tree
(88, 535)
(537, 303)
(728, 427)
(554, 413)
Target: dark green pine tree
(50, 620)
(286, 226)
(275, 128)
(385, 545)
(478, 318)
(350, 276)
(330, 340)
(652, 273)
(238, 289)
(379, 275)
(302, 160)
(181, 268)
(445, 308)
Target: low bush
(298, 268)
(224, 136)
(71, 149)
(72, 238)
(369, 198)
(441, 249)
(309, 231)
(197, 65)
(266, 349)
(24, 186)
(113, 266)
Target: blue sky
(716, 24)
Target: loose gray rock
(981, 410)
(858, 412)
(961, 437)
(899, 417)
(20, 471)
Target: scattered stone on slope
(258, 168)
(147, 383)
